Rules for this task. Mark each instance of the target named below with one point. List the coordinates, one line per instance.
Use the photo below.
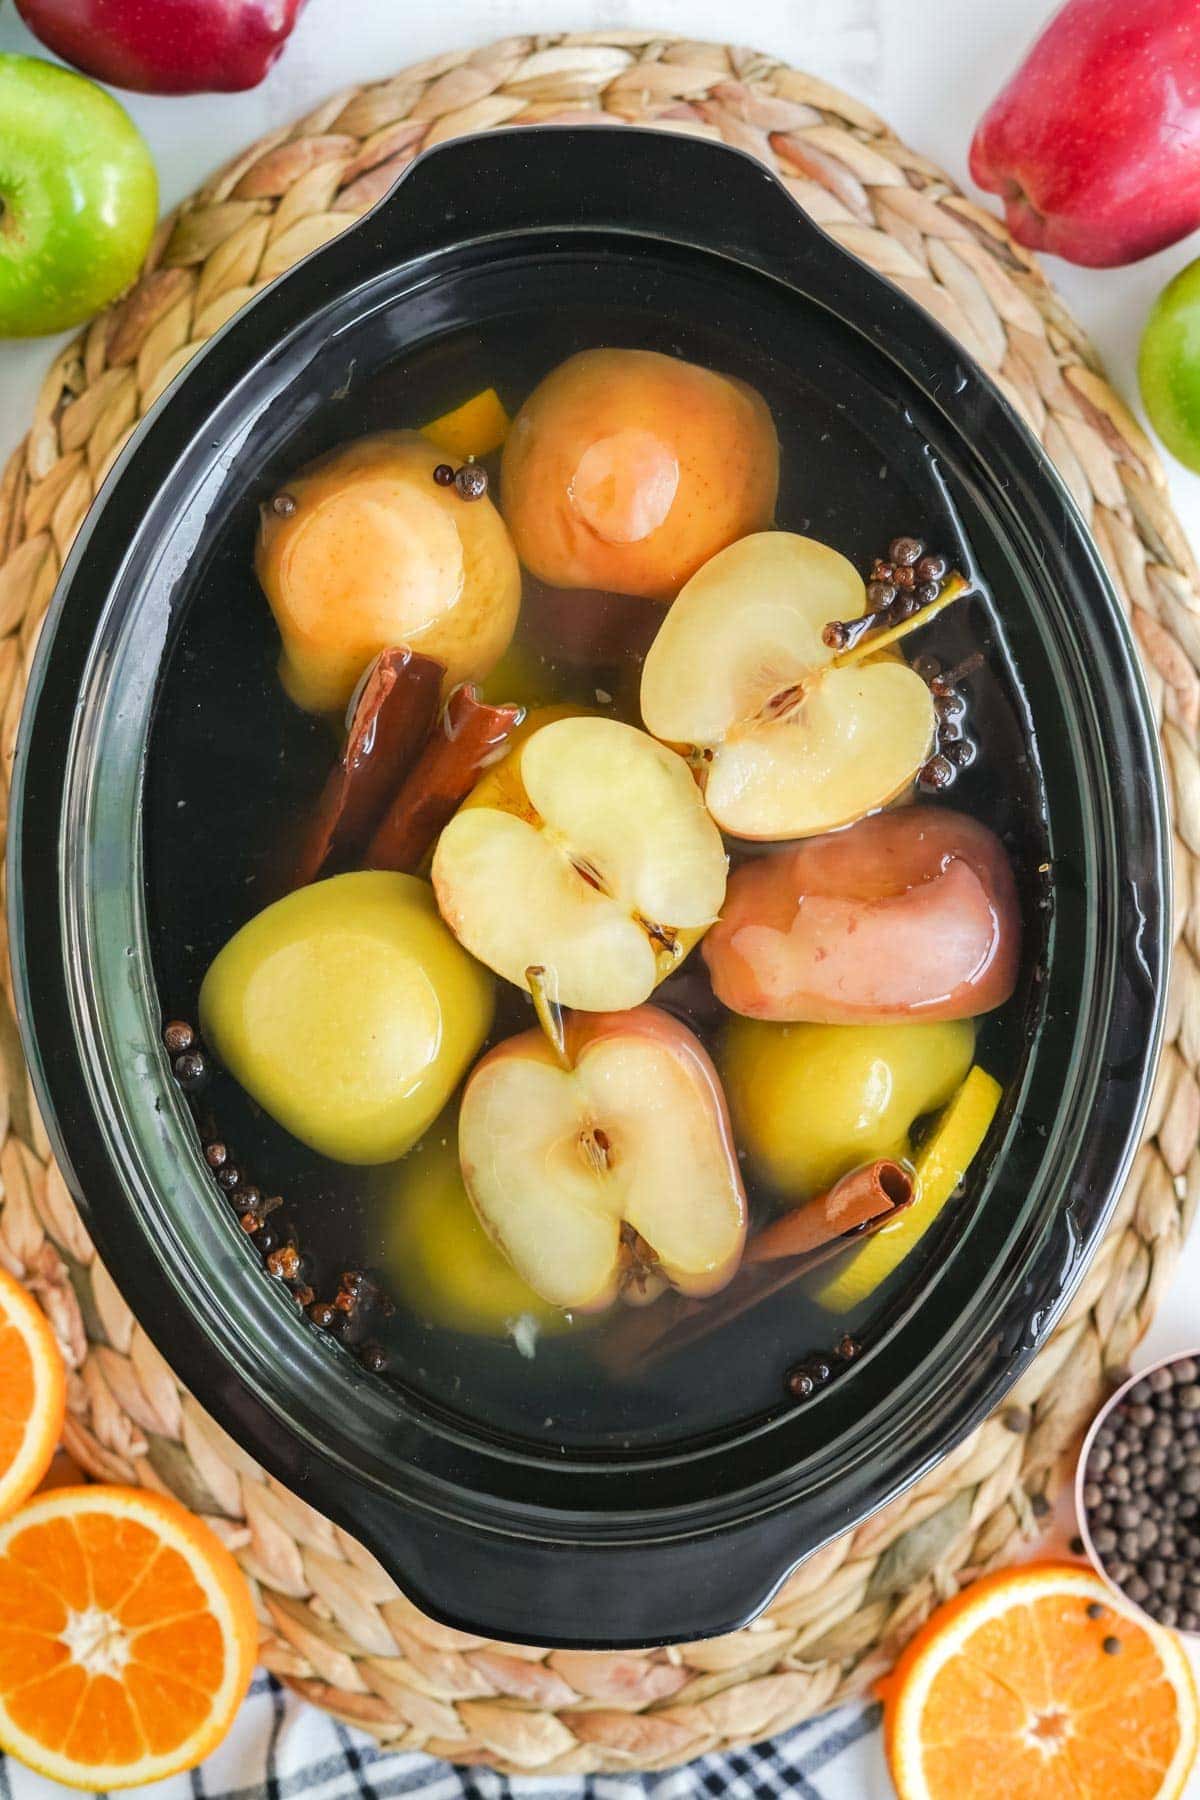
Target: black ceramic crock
(683, 1532)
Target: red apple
(911, 914)
(606, 1163)
(166, 46)
(1094, 145)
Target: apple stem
(955, 587)
(549, 1013)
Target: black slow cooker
(678, 1513)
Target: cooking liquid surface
(232, 760)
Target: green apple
(349, 1012)
(78, 197)
(1169, 366)
(812, 1102)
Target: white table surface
(930, 66)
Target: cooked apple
(790, 740)
(812, 1102)
(586, 854)
(365, 551)
(440, 1259)
(606, 1163)
(625, 470)
(349, 1013)
(910, 915)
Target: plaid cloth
(280, 1748)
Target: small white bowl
(1085, 1534)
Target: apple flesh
(78, 198)
(587, 854)
(349, 1013)
(166, 46)
(618, 1164)
(912, 914)
(1094, 144)
(788, 742)
(625, 470)
(364, 551)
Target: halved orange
(1038, 1684)
(127, 1637)
(33, 1393)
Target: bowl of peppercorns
(1137, 1491)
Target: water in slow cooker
(232, 757)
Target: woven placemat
(334, 1626)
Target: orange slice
(1009, 1693)
(33, 1394)
(127, 1637)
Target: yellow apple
(812, 1102)
(349, 1012)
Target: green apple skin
(78, 197)
(349, 1012)
(1169, 366)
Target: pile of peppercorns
(275, 1243)
(1141, 1493)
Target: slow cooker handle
(606, 178)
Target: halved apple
(586, 854)
(790, 741)
(607, 1163)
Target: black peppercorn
(931, 567)
(799, 1383)
(444, 475)
(905, 551)
(284, 505)
(880, 594)
(927, 592)
(191, 1071)
(215, 1155)
(936, 774)
(229, 1176)
(961, 752)
(322, 1314)
(471, 482)
(178, 1036)
(373, 1358)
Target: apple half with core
(604, 1160)
(791, 737)
(586, 855)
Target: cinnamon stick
(468, 738)
(858, 1198)
(674, 1323)
(390, 721)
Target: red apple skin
(166, 46)
(1094, 145)
(911, 914)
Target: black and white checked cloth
(281, 1748)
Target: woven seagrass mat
(334, 1626)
